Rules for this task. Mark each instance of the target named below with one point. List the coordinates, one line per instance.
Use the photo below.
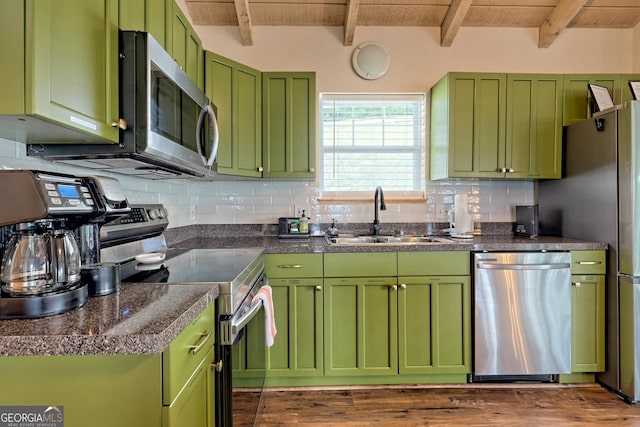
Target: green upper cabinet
(577, 98)
(468, 118)
(236, 90)
(496, 126)
(60, 65)
(184, 45)
(289, 124)
(145, 15)
(534, 126)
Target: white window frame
(419, 161)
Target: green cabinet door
(577, 99)
(60, 64)
(534, 126)
(360, 326)
(468, 113)
(298, 347)
(184, 45)
(434, 325)
(289, 124)
(191, 407)
(236, 90)
(587, 323)
(145, 15)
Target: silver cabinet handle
(290, 266)
(589, 262)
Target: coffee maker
(41, 269)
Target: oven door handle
(237, 325)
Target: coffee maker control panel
(67, 195)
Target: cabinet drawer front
(185, 353)
(293, 265)
(379, 264)
(450, 263)
(588, 262)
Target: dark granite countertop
(140, 319)
(274, 245)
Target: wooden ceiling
(551, 17)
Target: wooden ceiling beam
(453, 21)
(244, 22)
(350, 19)
(561, 16)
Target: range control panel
(143, 220)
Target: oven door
(243, 353)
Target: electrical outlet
(441, 213)
(298, 208)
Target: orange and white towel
(264, 294)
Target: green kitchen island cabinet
(117, 370)
(360, 321)
(236, 90)
(434, 311)
(289, 124)
(577, 98)
(60, 66)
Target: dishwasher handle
(494, 266)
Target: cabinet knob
(511, 170)
(577, 284)
(121, 123)
(503, 170)
(217, 366)
(393, 287)
(312, 169)
(319, 288)
(403, 286)
(260, 169)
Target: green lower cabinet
(97, 391)
(587, 323)
(249, 355)
(360, 326)
(434, 325)
(298, 349)
(192, 407)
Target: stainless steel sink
(388, 240)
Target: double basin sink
(349, 239)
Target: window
(370, 140)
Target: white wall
(417, 61)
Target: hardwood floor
(467, 405)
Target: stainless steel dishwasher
(522, 316)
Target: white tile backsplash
(263, 201)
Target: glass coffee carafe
(40, 259)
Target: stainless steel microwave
(168, 125)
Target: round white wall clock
(370, 61)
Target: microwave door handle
(208, 112)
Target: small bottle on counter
(304, 223)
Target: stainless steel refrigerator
(599, 199)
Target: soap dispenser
(304, 223)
